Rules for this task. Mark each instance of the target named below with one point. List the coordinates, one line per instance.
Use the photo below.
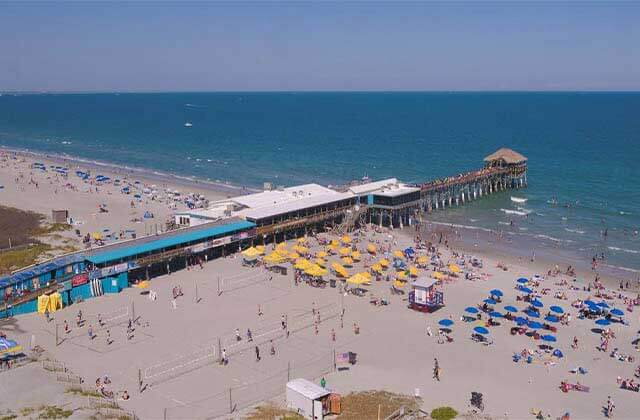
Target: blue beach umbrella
(526, 290)
(603, 304)
(496, 292)
(495, 314)
(616, 312)
(537, 303)
(549, 338)
(522, 280)
(534, 324)
(532, 314)
(490, 301)
(471, 310)
(603, 322)
(556, 309)
(589, 303)
(551, 318)
(510, 308)
(445, 322)
(481, 330)
(521, 320)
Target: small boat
(188, 124)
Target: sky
(322, 46)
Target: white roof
(269, 198)
(307, 388)
(424, 283)
(372, 186)
(396, 190)
(293, 204)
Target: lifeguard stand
(425, 297)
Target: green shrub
(443, 413)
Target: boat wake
(519, 200)
(516, 212)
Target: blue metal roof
(38, 270)
(126, 252)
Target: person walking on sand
(90, 332)
(67, 330)
(109, 338)
(260, 310)
(224, 359)
(238, 338)
(257, 354)
(436, 370)
(610, 407)
(333, 335)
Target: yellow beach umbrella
(293, 256)
(371, 249)
(322, 254)
(302, 264)
(260, 248)
(345, 251)
(384, 262)
(357, 279)
(413, 271)
(398, 254)
(97, 236)
(274, 258)
(438, 275)
(422, 260)
(320, 262)
(301, 249)
(399, 283)
(331, 248)
(251, 252)
(366, 274)
(401, 275)
(340, 270)
(347, 260)
(302, 240)
(377, 268)
(356, 255)
(335, 242)
(346, 239)
(315, 270)
(282, 251)
(281, 245)
(454, 268)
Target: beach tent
(9, 346)
(371, 249)
(340, 270)
(345, 251)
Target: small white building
(307, 399)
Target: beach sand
(395, 352)
(35, 190)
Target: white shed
(307, 398)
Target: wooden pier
(504, 169)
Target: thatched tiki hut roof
(505, 156)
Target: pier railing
(469, 177)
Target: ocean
(583, 148)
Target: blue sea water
(583, 148)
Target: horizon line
(79, 92)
